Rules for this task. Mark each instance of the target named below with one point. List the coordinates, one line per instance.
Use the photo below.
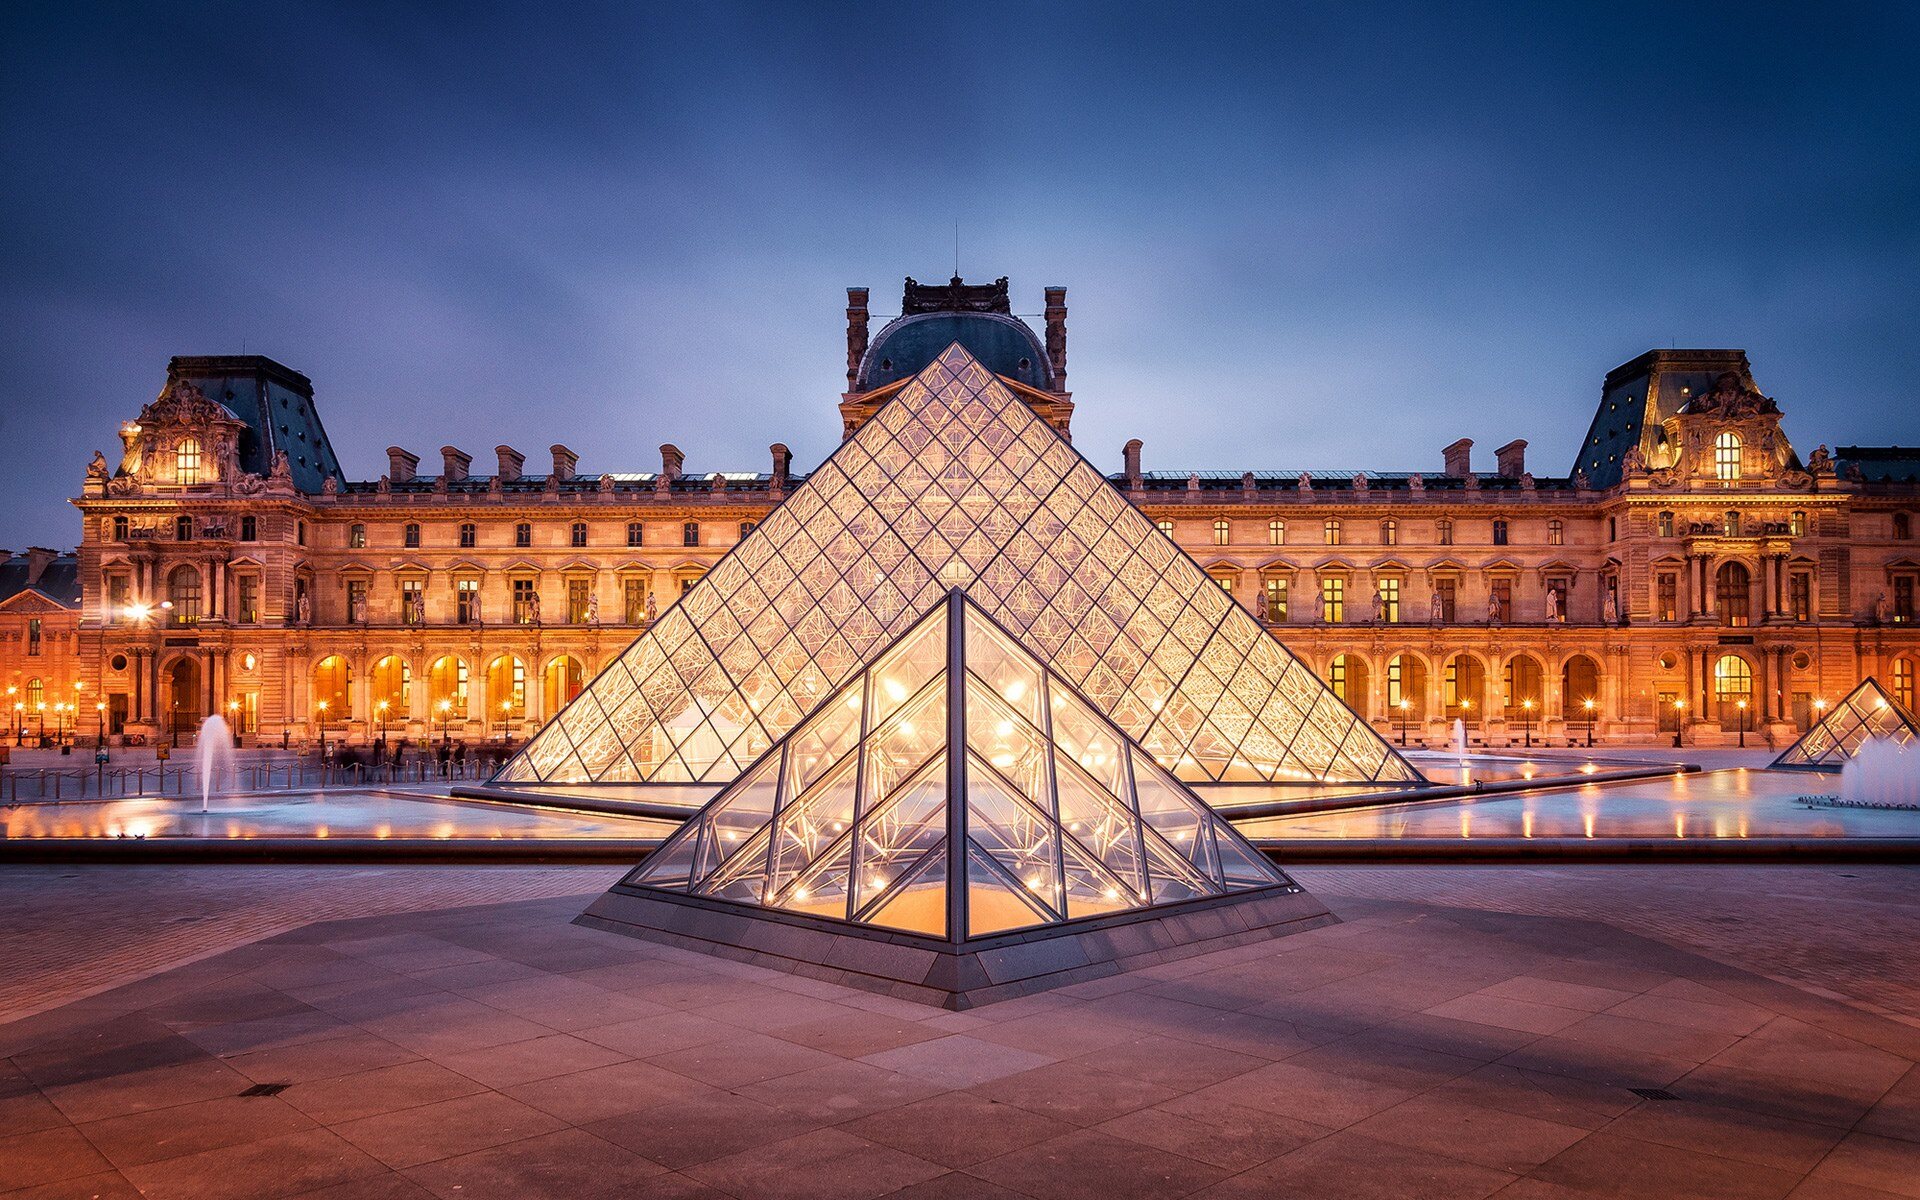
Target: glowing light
(1015, 690)
(894, 689)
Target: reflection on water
(337, 814)
(1441, 769)
(1736, 803)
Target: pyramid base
(955, 975)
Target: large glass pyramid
(1867, 713)
(956, 483)
(957, 790)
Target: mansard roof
(276, 404)
(58, 580)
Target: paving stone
(568, 1163)
(1607, 1164)
(1450, 1124)
(698, 1124)
(957, 1129)
(829, 1164)
(536, 1058)
(369, 1093)
(1864, 1160)
(141, 1138)
(1351, 1166)
(1214, 1132)
(841, 1091)
(45, 1156)
(430, 1132)
(957, 1060)
(283, 1166)
(1089, 1165)
(592, 1095)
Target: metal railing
(34, 785)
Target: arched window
(578, 534)
(1331, 532)
(1221, 532)
(1389, 533)
(447, 688)
(1276, 533)
(1523, 685)
(1666, 524)
(392, 682)
(561, 682)
(1406, 688)
(1165, 527)
(690, 534)
(333, 689)
(410, 536)
(1732, 593)
(183, 592)
(1460, 690)
(36, 694)
(1726, 456)
(506, 688)
(186, 461)
(1732, 688)
(1347, 679)
(1579, 687)
(1903, 682)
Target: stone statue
(1554, 610)
(606, 483)
(533, 608)
(1416, 483)
(281, 473)
(1193, 482)
(1493, 608)
(1379, 607)
(1359, 483)
(1260, 607)
(1635, 462)
(303, 609)
(384, 486)
(653, 609)
(1581, 482)
(1820, 462)
(97, 470)
(1526, 481)
(477, 620)
(1306, 482)
(1610, 607)
(1434, 610)
(1880, 609)
(593, 609)
(330, 486)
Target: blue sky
(1326, 236)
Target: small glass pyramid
(956, 789)
(955, 482)
(1867, 713)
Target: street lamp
(233, 722)
(1679, 721)
(380, 711)
(506, 719)
(1405, 707)
(1589, 706)
(13, 706)
(40, 709)
(99, 724)
(446, 721)
(1526, 720)
(1742, 706)
(322, 706)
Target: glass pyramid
(955, 482)
(956, 789)
(1867, 713)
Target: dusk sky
(1292, 236)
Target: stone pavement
(1416, 1050)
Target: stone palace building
(1691, 569)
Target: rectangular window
(1499, 533)
(690, 534)
(467, 596)
(1665, 524)
(1165, 527)
(1225, 582)
(523, 534)
(1666, 601)
(413, 601)
(1331, 533)
(33, 637)
(578, 593)
(249, 529)
(1503, 600)
(634, 529)
(1390, 601)
(633, 595)
(746, 527)
(356, 537)
(120, 527)
(410, 536)
(1448, 590)
(1800, 595)
(1797, 522)
(523, 601)
(1276, 599)
(356, 601)
(1276, 533)
(1903, 599)
(1333, 601)
(1443, 532)
(469, 535)
(579, 534)
(1221, 533)
(1666, 712)
(116, 600)
(1557, 533)
(1389, 533)
(249, 588)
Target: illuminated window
(36, 694)
(1390, 600)
(1665, 524)
(633, 593)
(1276, 533)
(467, 601)
(1726, 456)
(1556, 533)
(33, 637)
(1333, 601)
(1730, 523)
(1666, 603)
(1225, 579)
(523, 594)
(1221, 532)
(1800, 595)
(1733, 589)
(1165, 527)
(1797, 522)
(1331, 532)
(392, 685)
(506, 688)
(1732, 683)
(1443, 531)
(186, 461)
(523, 534)
(183, 590)
(579, 594)
(1389, 533)
(469, 535)
(249, 589)
(1337, 676)
(333, 688)
(413, 601)
(356, 537)
(1276, 588)
(634, 533)
(410, 535)
(447, 688)
(577, 535)
(1903, 682)
(690, 534)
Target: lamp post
(506, 719)
(1679, 721)
(1405, 707)
(380, 715)
(1742, 706)
(59, 725)
(445, 708)
(13, 706)
(40, 710)
(1589, 706)
(1526, 720)
(99, 724)
(233, 722)
(322, 707)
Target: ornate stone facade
(1689, 561)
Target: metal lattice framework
(956, 756)
(956, 483)
(1866, 714)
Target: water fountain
(213, 755)
(1881, 774)
(1460, 737)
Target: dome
(1004, 345)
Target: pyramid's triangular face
(1866, 714)
(957, 790)
(956, 483)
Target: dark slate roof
(1230, 481)
(276, 403)
(1879, 464)
(59, 582)
(1005, 345)
(627, 482)
(1641, 394)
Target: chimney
(1511, 459)
(512, 462)
(671, 461)
(782, 466)
(856, 332)
(1131, 454)
(401, 466)
(454, 463)
(39, 558)
(1057, 336)
(1459, 458)
(564, 461)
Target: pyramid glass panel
(886, 818)
(1868, 713)
(955, 482)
